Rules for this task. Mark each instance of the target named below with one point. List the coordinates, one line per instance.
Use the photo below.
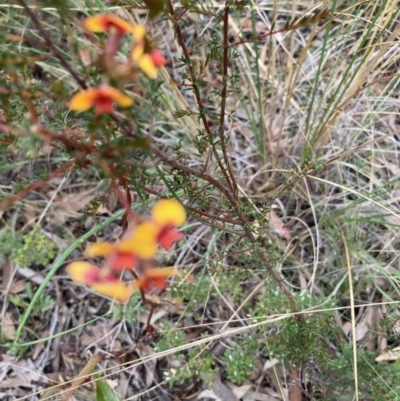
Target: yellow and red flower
(118, 256)
(102, 98)
(109, 22)
(102, 281)
(154, 278)
(141, 242)
(166, 215)
(138, 243)
(147, 58)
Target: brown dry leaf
(270, 364)
(69, 204)
(7, 275)
(150, 365)
(223, 392)
(346, 328)
(88, 56)
(276, 373)
(100, 335)
(155, 317)
(391, 355)
(368, 326)
(6, 358)
(278, 225)
(241, 391)
(254, 396)
(39, 347)
(81, 378)
(8, 327)
(24, 372)
(14, 383)
(103, 210)
(207, 394)
(17, 287)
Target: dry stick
(50, 44)
(199, 100)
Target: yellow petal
(117, 290)
(97, 23)
(83, 272)
(137, 52)
(84, 100)
(125, 26)
(155, 272)
(100, 249)
(142, 242)
(103, 23)
(145, 63)
(139, 33)
(116, 95)
(169, 211)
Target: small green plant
(241, 361)
(44, 304)
(128, 311)
(27, 249)
(192, 364)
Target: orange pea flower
(100, 280)
(138, 243)
(154, 278)
(101, 97)
(166, 215)
(142, 241)
(147, 58)
(108, 22)
(119, 256)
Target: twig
(199, 100)
(223, 98)
(177, 164)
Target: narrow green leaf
(104, 392)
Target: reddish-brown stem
(145, 301)
(213, 217)
(221, 132)
(199, 101)
(177, 164)
(259, 37)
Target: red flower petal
(157, 58)
(150, 283)
(122, 260)
(168, 236)
(104, 105)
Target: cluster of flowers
(135, 253)
(144, 56)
